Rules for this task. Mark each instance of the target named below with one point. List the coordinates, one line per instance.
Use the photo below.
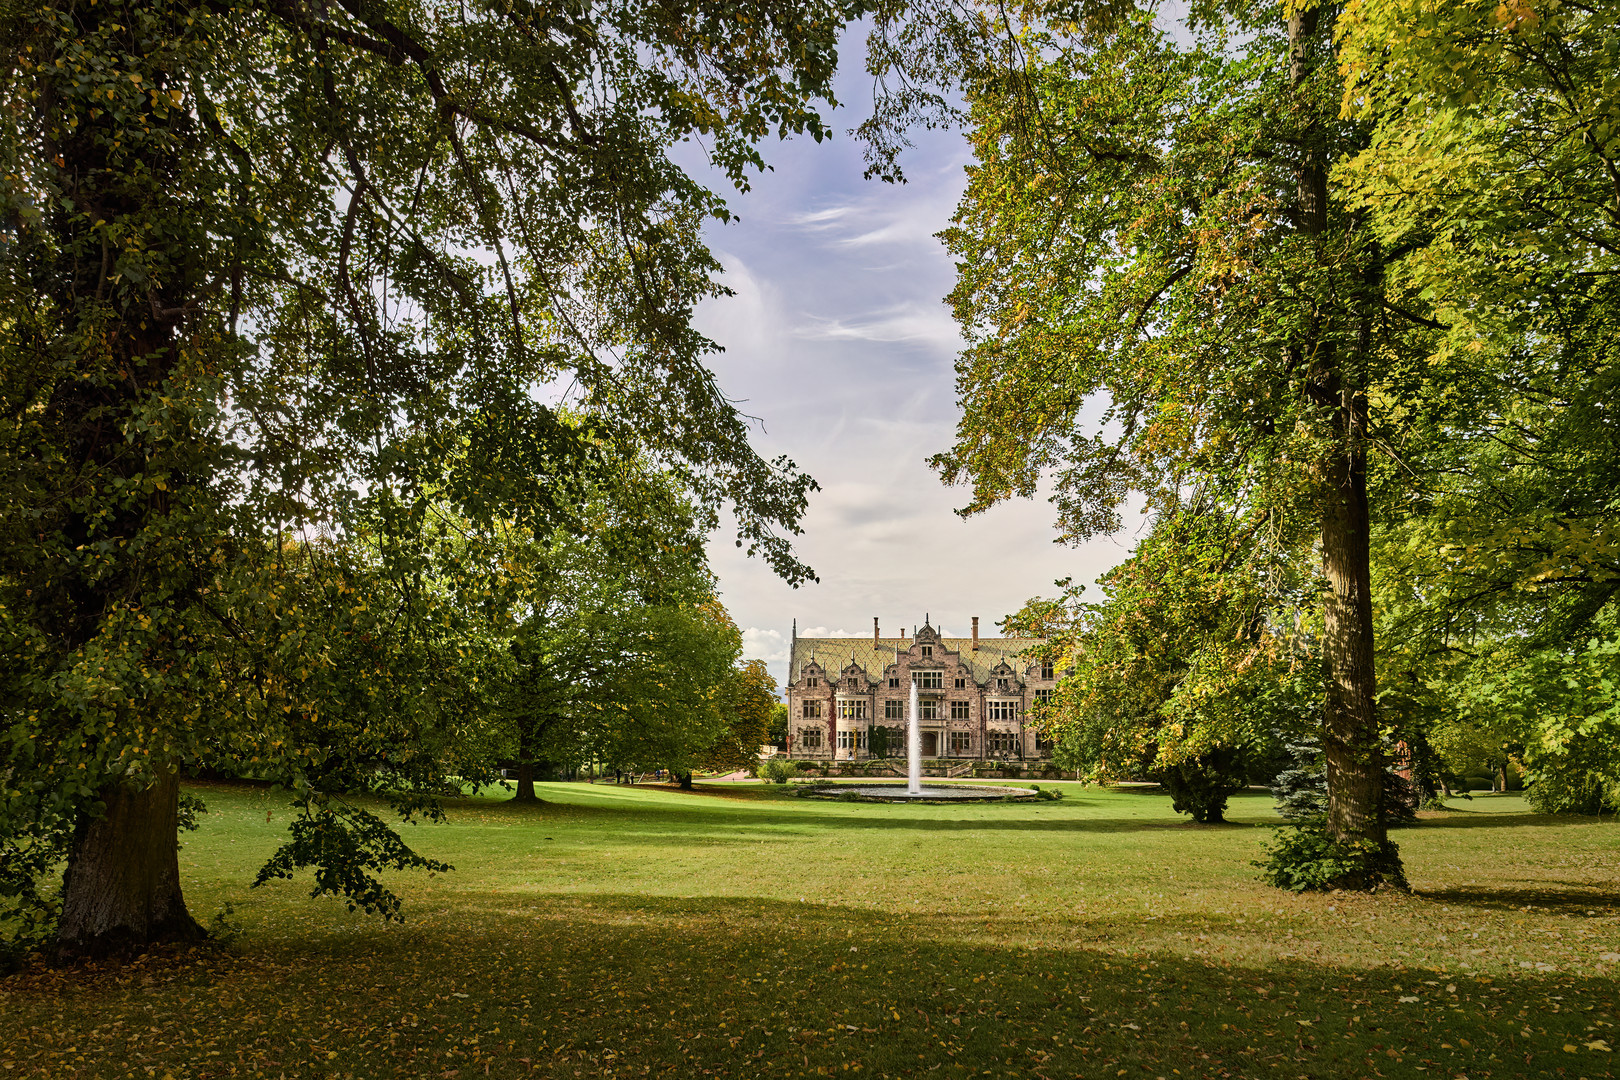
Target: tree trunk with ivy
(125, 322)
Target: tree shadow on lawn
(1454, 818)
(740, 987)
(1559, 897)
(829, 814)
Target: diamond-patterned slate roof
(835, 654)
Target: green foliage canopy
(1490, 179)
(1162, 297)
(747, 703)
(277, 275)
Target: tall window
(894, 709)
(961, 742)
(810, 738)
(961, 710)
(852, 710)
(846, 740)
(928, 710)
(929, 680)
(812, 710)
(1004, 710)
(1046, 669)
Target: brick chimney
(975, 633)
(875, 634)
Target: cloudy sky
(839, 341)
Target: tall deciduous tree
(1161, 294)
(664, 708)
(1189, 667)
(634, 559)
(266, 265)
(1491, 180)
(747, 702)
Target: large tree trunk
(1355, 760)
(528, 744)
(1355, 766)
(122, 886)
(525, 783)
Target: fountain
(913, 747)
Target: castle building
(974, 695)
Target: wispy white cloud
(900, 230)
(819, 218)
(928, 324)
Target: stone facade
(974, 696)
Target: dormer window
(812, 681)
(1046, 669)
(961, 684)
(1001, 684)
(927, 652)
(894, 682)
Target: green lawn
(738, 931)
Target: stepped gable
(833, 655)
